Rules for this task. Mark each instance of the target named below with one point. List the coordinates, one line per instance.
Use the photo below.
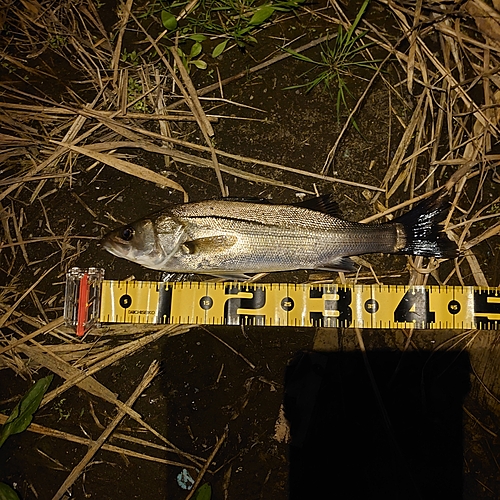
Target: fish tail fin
(422, 231)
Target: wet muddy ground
(409, 418)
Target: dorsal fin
(324, 203)
(246, 199)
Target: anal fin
(344, 264)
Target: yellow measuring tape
(281, 304)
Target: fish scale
(232, 238)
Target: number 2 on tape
(231, 306)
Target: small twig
(42, 239)
(12, 308)
(249, 363)
(207, 463)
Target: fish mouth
(113, 244)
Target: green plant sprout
(7, 493)
(192, 59)
(19, 420)
(236, 20)
(57, 41)
(134, 90)
(131, 57)
(22, 415)
(338, 61)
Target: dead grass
(47, 144)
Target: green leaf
(198, 37)
(261, 14)
(168, 20)
(7, 493)
(242, 32)
(220, 48)
(299, 56)
(199, 64)
(21, 416)
(195, 50)
(204, 492)
(358, 18)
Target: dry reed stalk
(14, 306)
(203, 123)
(195, 105)
(413, 46)
(17, 230)
(127, 350)
(190, 97)
(44, 329)
(456, 109)
(31, 178)
(193, 160)
(158, 116)
(148, 377)
(44, 239)
(488, 233)
(404, 204)
(445, 73)
(97, 353)
(160, 108)
(44, 357)
(125, 12)
(404, 143)
(77, 124)
(122, 129)
(477, 272)
(49, 432)
(126, 167)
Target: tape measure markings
(364, 306)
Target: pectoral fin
(209, 244)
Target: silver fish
(232, 238)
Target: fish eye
(127, 233)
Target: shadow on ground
(406, 441)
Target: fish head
(141, 242)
